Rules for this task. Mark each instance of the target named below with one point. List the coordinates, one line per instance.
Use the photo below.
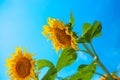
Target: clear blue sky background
(21, 24)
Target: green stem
(93, 49)
(100, 74)
(98, 61)
(88, 50)
(105, 70)
(82, 50)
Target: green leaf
(75, 34)
(115, 73)
(72, 20)
(97, 27)
(67, 57)
(44, 63)
(90, 31)
(88, 35)
(85, 72)
(86, 27)
(81, 39)
(51, 74)
(82, 66)
(97, 35)
(69, 25)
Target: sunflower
(21, 66)
(59, 34)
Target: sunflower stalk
(100, 74)
(94, 55)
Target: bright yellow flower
(59, 34)
(21, 66)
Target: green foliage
(72, 19)
(115, 73)
(89, 32)
(70, 27)
(85, 72)
(75, 34)
(71, 23)
(67, 57)
(86, 27)
(97, 27)
(43, 63)
(51, 74)
(81, 39)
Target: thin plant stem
(98, 61)
(88, 50)
(81, 50)
(93, 49)
(100, 74)
(104, 69)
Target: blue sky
(21, 24)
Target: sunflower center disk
(62, 37)
(23, 67)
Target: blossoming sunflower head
(59, 34)
(21, 66)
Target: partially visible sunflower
(21, 66)
(59, 34)
(114, 77)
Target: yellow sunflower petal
(19, 51)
